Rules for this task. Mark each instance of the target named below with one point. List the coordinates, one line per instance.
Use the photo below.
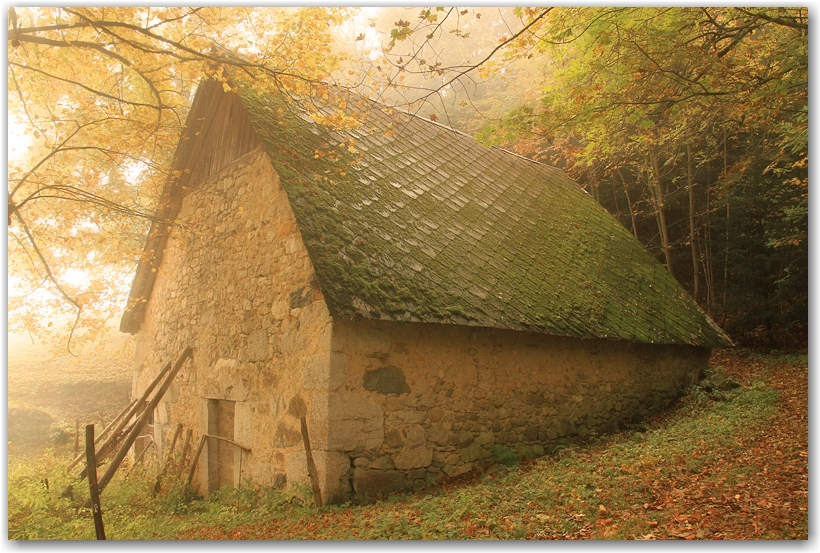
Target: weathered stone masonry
(237, 285)
(412, 403)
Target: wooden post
(129, 440)
(196, 458)
(105, 449)
(167, 463)
(79, 457)
(91, 460)
(138, 460)
(185, 447)
(136, 407)
(311, 466)
(171, 452)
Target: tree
(657, 96)
(103, 93)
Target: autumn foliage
(102, 94)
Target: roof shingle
(407, 220)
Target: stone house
(427, 303)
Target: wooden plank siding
(217, 133)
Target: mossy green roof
(407, 220)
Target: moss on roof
(407, 220)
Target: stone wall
(237, 285)
(411, 403)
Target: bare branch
(489, 56)
(791, 22)
(53, 280)
(79, 84)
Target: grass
(683, 466)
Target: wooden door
(221, 455)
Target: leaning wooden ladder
(130, 422)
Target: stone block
(462, 438)
(439, 435)
(394, 440)
(393, 403)
(413, 457)
(243, 423)
(314, 314)
(415, 453)
(564, 427)
(338, 367)
(524, 451)
(485, 438)
(334, 474)
(277, 404)
(293, 342)
(296, 468)
(258, 345)
(382, 462)
(369, 482)
(354, 423)
(280, 309)
(226, 379)
(319, 373)
(410, 416)
(536, 400)
(474, 452)
(456, 470)
(286, 436)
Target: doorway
(221, 462)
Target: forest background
(689, 125)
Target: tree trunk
(615, 199)
(726, 249)
(657, 188)
(708, 270)
(692, 236)
(593, 184)
(629, 205)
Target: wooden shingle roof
(407, 220)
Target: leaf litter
(724, 465)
